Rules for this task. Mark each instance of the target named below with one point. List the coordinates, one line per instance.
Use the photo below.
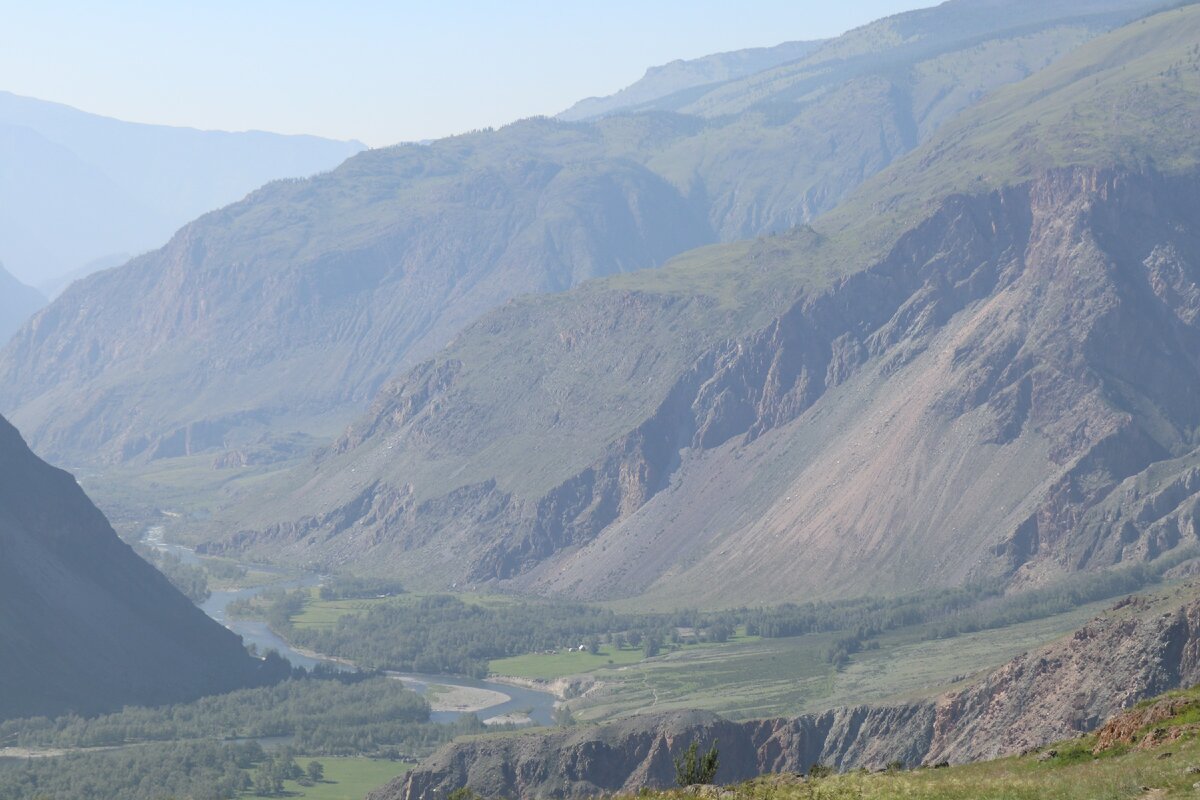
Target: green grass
(320, 613)
(750, 678)
(545, 667)
(346, 778)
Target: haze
(374, 71)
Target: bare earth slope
(287, 311)
(955, 386)
(1045, 696)
(85, 624)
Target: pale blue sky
(381, 72)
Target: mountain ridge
(680, 75)
(82, 187)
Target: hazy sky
(381, 72)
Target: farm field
(346, 778)
(783, 677)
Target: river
(539, 706)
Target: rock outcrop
(1054, 693)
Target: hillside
(286, 312)
(80, 187)
(679, 75)
(1064, 691)
(85, 624)
(954, 387)
(17, 303)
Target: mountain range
(910, 314)
(979, 366)
(87, 625)
(80, 191)
(286, 312)
(941, 360)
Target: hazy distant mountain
(76, 187)
(85, 624)
(983, 364)
(678, 75)
(288, 310)
(17, 303)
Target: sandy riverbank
(460, 699)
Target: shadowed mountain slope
(929, 386)
(85, 624)
(287, 311)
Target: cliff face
(85, 624)
(1055, 693)
(1010, 391)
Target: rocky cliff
(1132, 652)
(85, 624)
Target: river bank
(449, 696)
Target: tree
(593, 644)
(653, 645)
(692, 769)
(267, 782)
(563, 716)
(316, 771)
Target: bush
(692, 769)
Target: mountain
(79, 187)
(286, 312)
(679, 75)
(17, 303)
(86, 625)
(981, 366)
(1068, 688)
